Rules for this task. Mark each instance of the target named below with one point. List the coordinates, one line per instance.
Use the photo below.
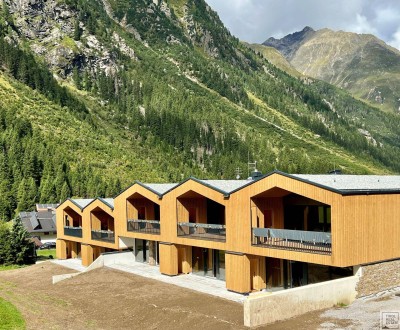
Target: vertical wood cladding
(364, 228)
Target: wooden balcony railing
(73, 231)
(296, 240)
(144, 226)
(103, 235)
(202, 231)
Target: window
(66, 220)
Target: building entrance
(208, 262)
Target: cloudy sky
(257, 20)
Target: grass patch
(46, 254)
(10, 317)
(10, 267)
(341, 305)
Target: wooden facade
(364, 228)
(75, 237)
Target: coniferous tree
(65, 192)
(77, 78)
(77, 30)
(22, 248)
(5, 244)
(47, 191)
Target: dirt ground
(109, 299)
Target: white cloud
(395, 41)
(362, 25)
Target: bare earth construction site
(110, 299)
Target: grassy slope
(113, 150)
(358, 63)
(107, 148)
(10, 317)
(276, 58)
(294, 136)
(115, 153)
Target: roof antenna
(238, 172)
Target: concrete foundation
(264, 308)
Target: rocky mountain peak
(289, 44)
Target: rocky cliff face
(49, 28)
(55, 30)
(362, 64)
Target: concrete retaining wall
(107, 259)
(266, 308)
(120, 257)
(379, 277)
(104, 259)
(59, 278)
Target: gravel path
(365, 313)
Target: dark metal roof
(39, 222)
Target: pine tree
(22, 248)
(5, 244)
(77, 78)
(47, 191)
(5, 189)
(65, 192)
(77, 30)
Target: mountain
(360, 63)
(98, 93)
(290, 44)
(275, 58)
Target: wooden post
(237, 272)
(61, 249)
(87, 254)
(152, 253)
(258, 272)
(168, 259)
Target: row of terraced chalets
(273, 231)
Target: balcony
(103, 235)
(73, 231)
(202, 231)
(144, 226)
(295, 240)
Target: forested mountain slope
(96, 94)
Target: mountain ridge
(360, 63)
(158, 91)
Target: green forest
(192, 100)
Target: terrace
(143, 215)
(72, 223)
(200, 217)
(102, 226)
(283, 220)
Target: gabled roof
(225, 187)
(38, 222)
(354, 183)
(81, 203)
(108, 201)
(42, 207)
(160, 189)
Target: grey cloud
(256, 20)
